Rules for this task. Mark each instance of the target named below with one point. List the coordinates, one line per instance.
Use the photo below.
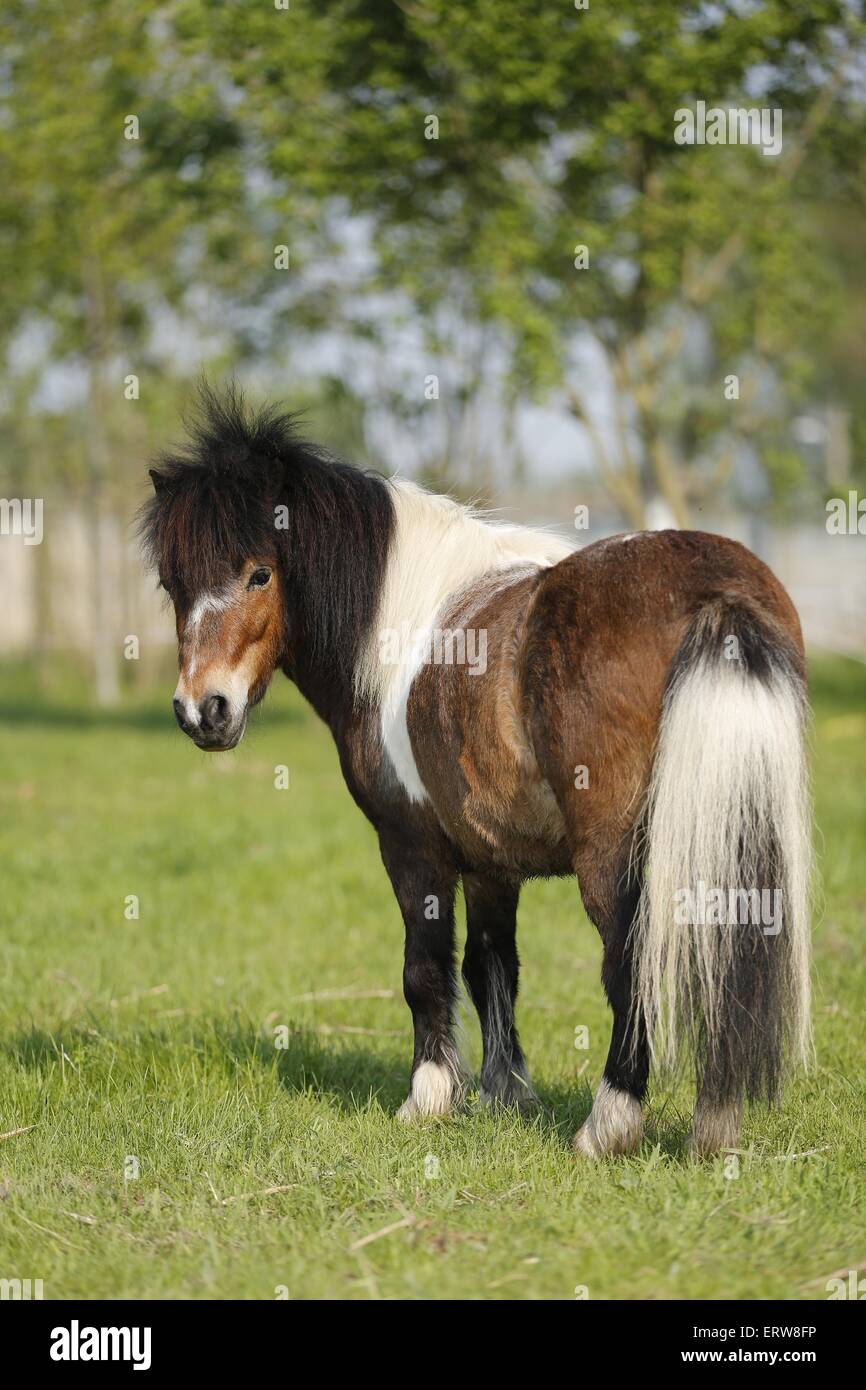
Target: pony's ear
(159, 480)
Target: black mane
(214, 507)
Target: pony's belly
(524, 836)
(473, 752)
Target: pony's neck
(373, 562)
(337, 537)
(438, 548)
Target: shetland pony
(506, 707)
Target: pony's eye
(259, 578)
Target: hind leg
(740, 1058)
(715, 1125)
(723, 1066)
(490, 969)
(615, 1124)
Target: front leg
(490, 969)
(424, 883)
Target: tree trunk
(669, 480)
(105, 639)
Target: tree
(121, 173)
(488, 145)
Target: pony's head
(230, 640)
(261, 541)
(209, 532)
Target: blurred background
(462, 236)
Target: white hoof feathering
(432, 1092)
(614, 1125)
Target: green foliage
(95, 222)
(554, 128)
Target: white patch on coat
(225, 682)
(216, 602)
(439, 549)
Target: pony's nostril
(214, 711)
(177, 706)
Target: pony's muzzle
(214, 714)
(211, 723)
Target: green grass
(154, 1038)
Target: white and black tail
(721, 935)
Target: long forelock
(199, 531)
(213, 506)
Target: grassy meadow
(160, 1141)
